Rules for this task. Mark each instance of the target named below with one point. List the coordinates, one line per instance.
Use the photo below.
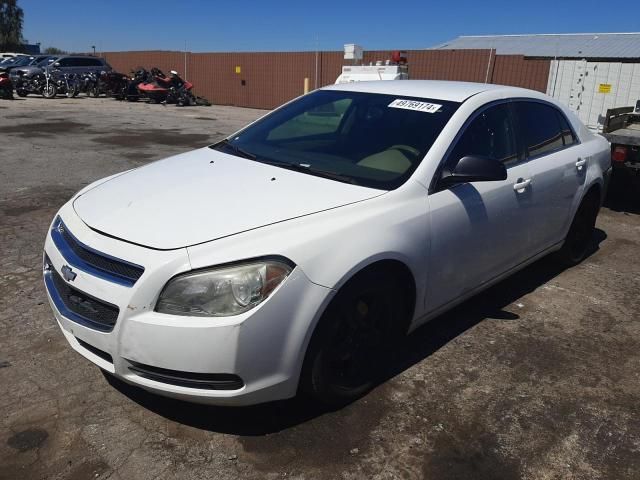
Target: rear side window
(74, 62)
(490, 134)
(540, 127)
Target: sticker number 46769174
(413, 105)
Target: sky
(287, 25)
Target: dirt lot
(538, 378)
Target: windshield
(9, 61)
(36, 60)
(46, 61)
(22, 61)
(366, 139)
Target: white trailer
(395, 68)
(363, 73)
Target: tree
(11, 18)
(53, 51)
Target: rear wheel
(22, 93)
(578, 240)
(354, 339)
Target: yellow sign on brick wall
(604, 88)
(238, 69)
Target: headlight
(222, 291)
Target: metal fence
(268, 79)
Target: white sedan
(290, 256)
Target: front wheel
(354, 339)
(578, 240)
(49, 91)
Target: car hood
(204, 195)
(26, 70)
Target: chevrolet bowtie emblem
(68, 274)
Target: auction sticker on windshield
(413, 105)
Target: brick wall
(268, 79)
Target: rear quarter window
(568, 137)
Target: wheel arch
(595, 188)
(395, 268)
(391, 265)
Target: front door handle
(581, 163)
(521, 185)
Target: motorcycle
(34, 83)
(171, 89)
(6, 87)
(130, 90)
(89, 84)
(113, 84)
(57, 82)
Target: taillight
(619, 154)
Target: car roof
(436, 89)
(78, 56)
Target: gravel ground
(537, 378)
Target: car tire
(578, 240)
(22, 93)
(354, 339)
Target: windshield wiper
(236, 150)
(305, 168)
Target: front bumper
(263, 348)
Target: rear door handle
(581, 163)
(521, 185)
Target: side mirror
(56, 64)
(476, 169)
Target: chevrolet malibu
(291, 255)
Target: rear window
(540, 127)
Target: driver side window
(490, 134)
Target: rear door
(479, 229)
(557, 165)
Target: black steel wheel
(578, 240)
(354, 339)
(22, 93)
